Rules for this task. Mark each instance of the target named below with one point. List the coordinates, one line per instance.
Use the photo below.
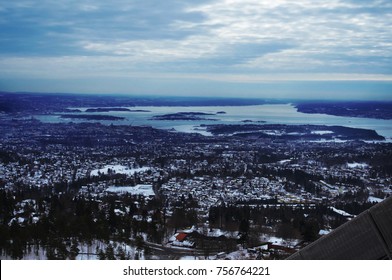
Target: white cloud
(317, 30)
(88, 7)
(247, 41)
(118, 67)
(156, 51)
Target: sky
(335, 49)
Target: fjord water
(269, 113)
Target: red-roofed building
(181, 236)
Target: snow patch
(324, 231)
(373, 199)
(118, 169)
(322, 132)
(357, 165)
(145, 190)
(341, 212)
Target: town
(87, 190)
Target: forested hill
(56, 102)
(371, 109)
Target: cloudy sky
(281, 48)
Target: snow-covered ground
(218, 232)
(145, 190)
(373, 199)
(324, 231)
(341, 212)
(238, 255)
(188, 258)
(118, 169)
(211, 232)
(280, 241)
(357, 165)
(334, 140)
(184, 243)
(86, 251)
(321, 132)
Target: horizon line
(156, 95)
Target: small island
(71, 111)
(101, 110)
(184, 116)
(92, 117)
(250, 121)
(140, 111)
(112, 109)
(371, 110)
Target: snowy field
(357, 165)
(118, 169)
(341, 212)
(145, 190)
(86, 251)
(373, 199)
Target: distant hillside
(373, 110)
(48, 103)
(54, 102)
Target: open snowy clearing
(117, 169)
(145, 190)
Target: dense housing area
(88, 190)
